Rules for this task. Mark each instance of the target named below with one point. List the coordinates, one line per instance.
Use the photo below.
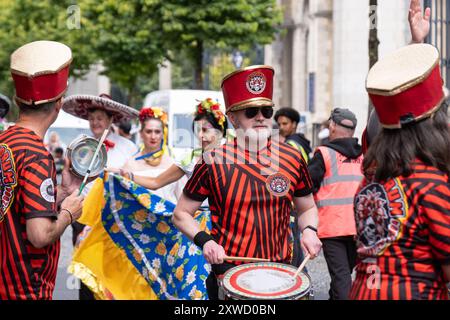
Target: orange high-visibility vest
(337, 191)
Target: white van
(68, 128)
(180, 106)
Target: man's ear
(232, 117)
(58, 104)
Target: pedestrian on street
(34, 212)
(336, 173)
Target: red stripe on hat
(41, 88)
(415, 101)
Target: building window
(311, 91)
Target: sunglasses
(267, 112)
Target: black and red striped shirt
(403, 238)
(28, 191)
(250, 197)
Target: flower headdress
(210, 106)
(160, 114)
(153, 113)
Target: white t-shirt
(122, 151)
(172, 191)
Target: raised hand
(419, 22)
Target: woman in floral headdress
(210, 125)
(154, 159)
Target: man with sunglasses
(250, 183)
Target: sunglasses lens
(267, 112)
(251, 112)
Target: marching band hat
(80, 105)
(406, 85)
(248, 87)
(40, 70)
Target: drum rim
(235, 293)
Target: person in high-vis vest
(336, 173)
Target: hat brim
(252, 103)
(79, 106)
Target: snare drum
(80, 152)
(265, 280)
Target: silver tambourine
(80, 152)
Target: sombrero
(79, 106)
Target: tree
(128, 40)
(24, 21)
(193, 27)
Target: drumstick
(300, 268)
(100, 143)
(245, 259)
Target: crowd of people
(379, 209)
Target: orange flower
(179, 273)
(137, 256)
(115, 228)
(163, 227)
(161, 249)
(140, 215)
(174, 250)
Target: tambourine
(81, 151)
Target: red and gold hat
(406, 86)
(40, 71)
(248, 87)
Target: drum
(265, 280)
(81, 151)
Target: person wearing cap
(336, 173)
(288, 120)
(250, 184)
(34, 212)
(402, 208)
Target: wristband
(70, 214)
(310, 227)
(201, 238)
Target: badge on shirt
(278, 184)
(48, 190)
(8, 179)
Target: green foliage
(192, 26)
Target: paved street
(66, 285)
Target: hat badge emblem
(256, 82)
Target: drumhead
(265, 280)
(81, 152)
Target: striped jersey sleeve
(436, 207)
(197, 187)
(39, 194)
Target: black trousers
(340, 255)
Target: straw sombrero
(79, 106)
